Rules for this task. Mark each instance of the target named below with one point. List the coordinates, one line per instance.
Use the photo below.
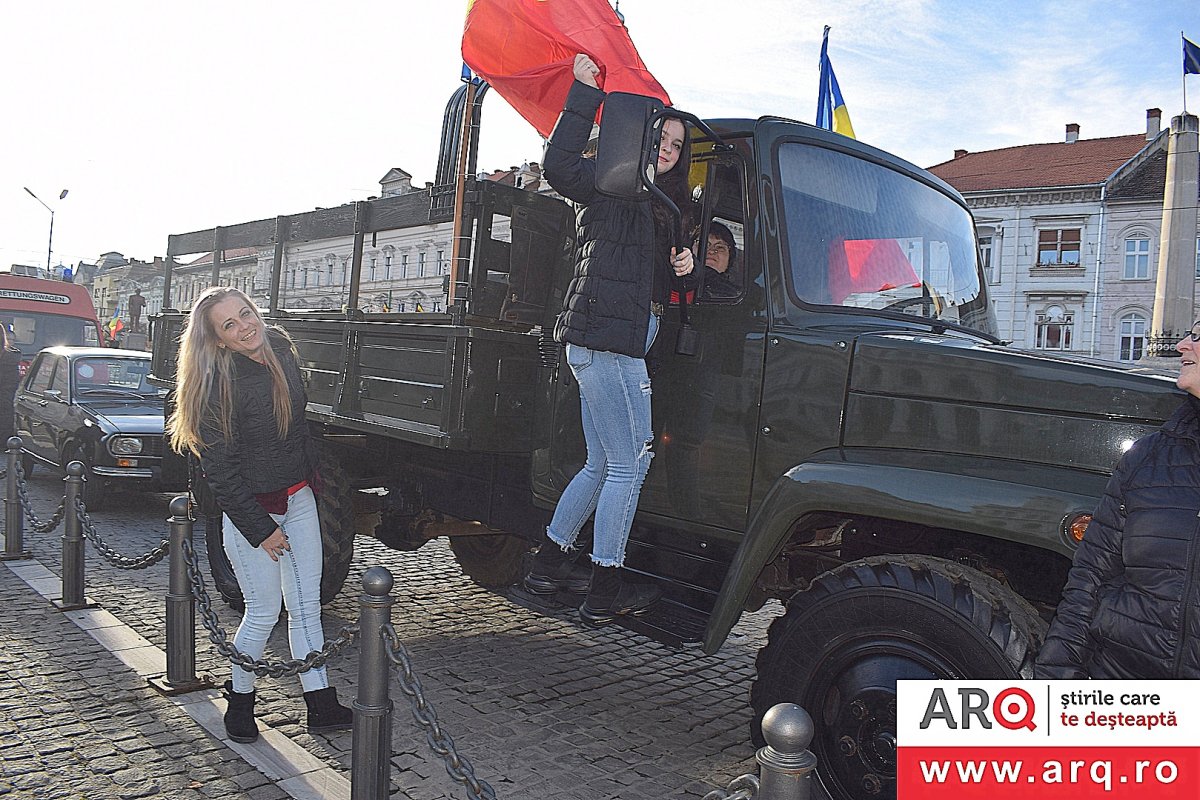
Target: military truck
(850, 437)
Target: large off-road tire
(335, 507)
(494, 561)
(844, 642)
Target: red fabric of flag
(526, 50)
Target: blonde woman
(240, 408)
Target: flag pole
(1183, 41)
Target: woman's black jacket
(10, 376)
(256, 460)
(607, 305)
(1131, 606)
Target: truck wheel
(336, 511)
(219, 567)
(335, 505)
(844, 642)
(494, 560)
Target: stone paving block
(503, 679)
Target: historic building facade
(1069, 237)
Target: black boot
(239, 716)
(611, 597)
(325, 713)
(555, 570)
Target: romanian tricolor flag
(526, 50)
(831, 108)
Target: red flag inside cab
(526, 48)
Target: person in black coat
(1131, 606)
(240, 405)
(609, 320)
(10, 376)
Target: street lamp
(50, 245)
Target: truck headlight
(125, 445)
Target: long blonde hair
(204, 370)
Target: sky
(162, 118)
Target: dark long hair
(674, 184)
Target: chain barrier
(112, 556)
(439, 741)
(260, 667)
(743, 787)
(27, 506)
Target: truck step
(667, 622)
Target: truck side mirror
(623, 154)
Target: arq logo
(1012, 708)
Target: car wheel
(94, 489)
(845, 641)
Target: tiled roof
(1083, 162)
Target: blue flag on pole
(831, 108)
(1191, 57)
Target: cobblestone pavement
(540, 706)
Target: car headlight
(125, 445)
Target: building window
(387, 266)
(442, 266)
(329, 270)
(1132, 342)
(420, 264)
(404, 264)
(991, 273)
(1054, 328)
(1137, 258)
(1058, 247)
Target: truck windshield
(861, 235)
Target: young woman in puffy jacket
(240, 408)
(609, 320)
(1131, 606)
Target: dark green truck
(850, 438)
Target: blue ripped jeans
(614, 393)
(294, 579)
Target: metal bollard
(181, 610)
(372, 743)
(72, 552)
(785, 764)
(14, 516)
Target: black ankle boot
(611, 597)
(555, 570)
(239, 716)
(325, 713)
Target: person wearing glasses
(1131, 606)
(719, 261)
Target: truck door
(705, 406)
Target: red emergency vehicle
(39, 313)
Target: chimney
(1072, 132)
(959, 153)
(1153, 122)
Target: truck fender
(1024, 503)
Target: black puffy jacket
(1131, 606)
(256, 460)
(607, 305)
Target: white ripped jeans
(295, 580)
